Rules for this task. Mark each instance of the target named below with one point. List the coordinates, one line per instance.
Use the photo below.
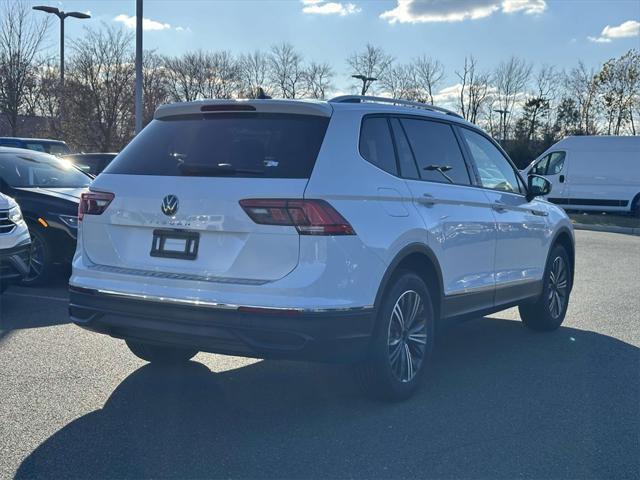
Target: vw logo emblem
(170, 205)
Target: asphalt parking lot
(501, 402)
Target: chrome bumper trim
(215, 305)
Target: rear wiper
(208, 169)
(442, 169)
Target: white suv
(345, 230)
(15, 243)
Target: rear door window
(436, 151)
(237, 144)
(408, 167)
(376, 146)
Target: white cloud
(147, 23)
(628, 29)
(321, 7)
(425, 11)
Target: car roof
(34, 140)
(309, 107)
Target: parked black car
(48, 189)
(54, 147)
(91, 163)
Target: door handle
(561, 179)
(427, 200)
(499, 207)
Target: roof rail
(391, 101)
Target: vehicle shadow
(34, 307)
(500, 401)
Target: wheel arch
(421, 260)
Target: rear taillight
(310, 217)
(93, 203)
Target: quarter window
(436, 151)
(494, 169)
(376, 146)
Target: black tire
(635, 206)
(547, 312)
(385, 374)
(160, 354)
(41, 260)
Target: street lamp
(61, 15)
(503, 121)
(366, 82)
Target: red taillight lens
(93, 203)
(310, 217)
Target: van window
(375, 144)
(232, 145)
(540, 168)
(437, 151)
(556, 163)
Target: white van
(593, 173)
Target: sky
(556, 32)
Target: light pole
(138, 123)
(503, 121)
(366, 82)
(61, 15)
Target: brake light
(93, 203)
(310, 217)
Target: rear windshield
(239, 145)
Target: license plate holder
(175, 244)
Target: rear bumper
(14, 262)
(329, 336)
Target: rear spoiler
(294, 107)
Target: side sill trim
(212, 305)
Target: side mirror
(537, 186)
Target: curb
(607, 228)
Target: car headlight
(69, 220)
(15, 214)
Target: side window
(556, 163)
(436, 151)
(494, 169)
(375, 144)
(408, 167)
(540, 168)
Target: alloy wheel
(558, 285)
(407, 336)
(36, 260)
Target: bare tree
(21, 37)
(317, 79)
(154, 84)
(371, 63)
(399, 82)
(474, 90)
(254, 69)
(510, 80)
(183, 76)
(428, 74)
(619, 84)
(580, 83)
(101, 77)
(539, 104)
(220, 75)
(286, 72)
